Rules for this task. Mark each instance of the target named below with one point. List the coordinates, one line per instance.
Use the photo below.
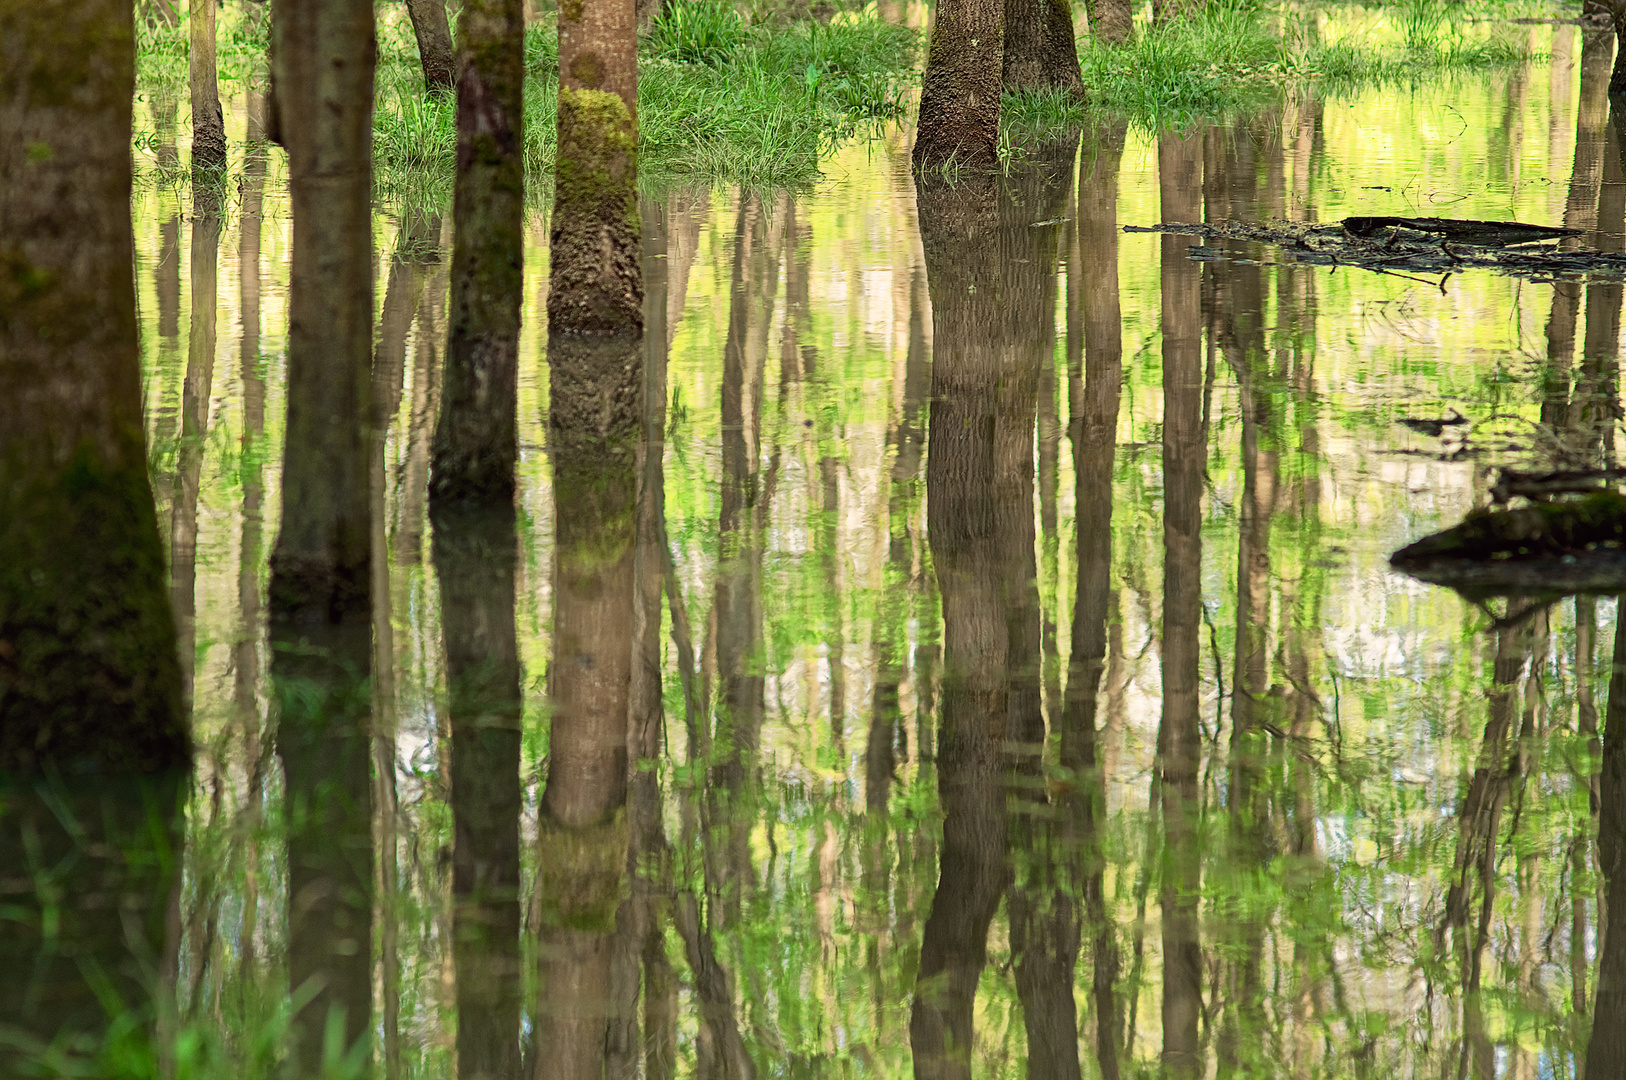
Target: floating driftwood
(1411, 246)
(1544, 549)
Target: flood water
(961, 489)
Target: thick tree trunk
(320, 610)
(595, 284)
(90, 690)
(1179, 745)
(959, 93)
(434, 33)
(1040, 50)
(1043, 909)
(1111, 21)
(88, 672)
(208, 126)
(958, 226)
(476, 441)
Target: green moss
(583, 873)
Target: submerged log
(1489, 233)
(1556, 548)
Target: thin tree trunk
(320, 609)
(195, 401)
(208, 125)
(959, 93)
(90, 687)
(434, 33)
(476, 442)
(1093, 266)
(1179, 744)
(1040, 50)
(1606, 1049)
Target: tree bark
(595, 285)
(1093, 272)
(1040, 50)
(1179, 745)
(475, 559)
(208, 125)
(434, 33)
(1165, 10)
(88, 673)
(320, 611)
(594, 422)
(1111, 21)
(959, 93)
(1042, 904)
(958, 225)
(1606, 1049)
(476, 441)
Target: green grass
(1233, 57)
(718, 100)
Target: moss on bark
(596, 284)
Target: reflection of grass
(1231, 57)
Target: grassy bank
(1235, 56)
(723, 99)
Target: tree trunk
(1095, 380)
(90, 688)
(1606, 1049)
(474, 553)
(595, 285)
(1111, 21)
(959, 93)
(1043, 910)
(434, 33)
(1165, 10)
(195, 397)
(958, 225)
(208, 126)
(320, 611)
(1179, 745)
(1040, 50)
(88, 671)
(476, 441)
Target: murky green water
(960, 490)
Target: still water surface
(964, 488)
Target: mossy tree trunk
(959, 93)
(595, 286)
(93, 746)
(1040, 50)
(435, 51)
(88, 671)
(320, 612)
(208, 125)
(1179, 740)
(476, 441)
(595, 355)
